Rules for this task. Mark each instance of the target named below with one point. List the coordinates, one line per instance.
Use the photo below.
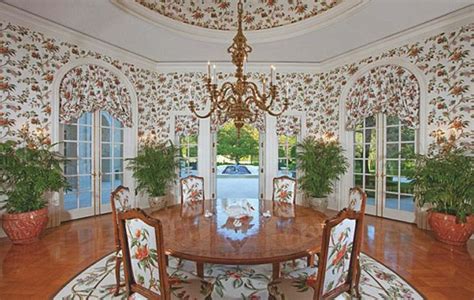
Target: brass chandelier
(240, 101)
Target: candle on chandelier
(264, 83)
(272, 73)
(208, 69)
(245, 65)
(214, 72)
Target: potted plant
(321, 162)
(445, 181)
(154, 168)
(26, 174)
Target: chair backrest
(357, 199)
(120, 201)
(339, 254)
(284, 189)
(192, 189)
(143, 254)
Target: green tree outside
(237, 148)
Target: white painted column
(271, 154)
(204, 154)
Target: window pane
(391, 201)
(392, 134)
(358, 181)
(70, 132)
(117, 123)
(85, 166)
(408, 134)
(70, 167)
(358, 137)
(358, 165)
(370, 121)
(106, 150)
(370, 197)
(358, 151)
(85, 133)
(85, 150)
(408, 150)
(105, 196)
(407, 203)
(370, 166)
(86, 119)
(392, 151)
(106, 165)
(392, 120)
(370, 182)
(70, 201)
(118, 150)
(85, 183)
(106, 135)
(391, 183)
(118, 136)
(70, 149)
(73, 183)
(106, 119)
(106, 182)
(118, 180)
(85, 199)
(370, 136)
(392, 167)
(118, 165)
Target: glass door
(382, 145)
(93, 147)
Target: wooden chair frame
(351, 282)
(182, 180)
(286, 178)
(132, 286)
(118, 246)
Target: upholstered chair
(337, 265)
(146, 274)
(357, 199)
(284, 189)
(120, 201)
(192, 189)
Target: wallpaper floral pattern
(389, 89)
(288, 125)
(221, 14)
(90, 87)
(186, 125)
(29, 61)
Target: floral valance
(186, 125)
(389, 89)
(288, 125)
(88, 88)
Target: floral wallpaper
(288, 125)
(389, 89)
(89, 88)
(186, 125)
(222, 15)
(29, 61)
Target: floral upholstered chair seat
(147, 263)
(284, 189)
(192, 189)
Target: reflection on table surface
(236, 231)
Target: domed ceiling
(222, 14)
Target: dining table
(240, 232)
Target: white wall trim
(341, 11)
(130, 140)
(37, 23)
(346, 136)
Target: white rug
(237, 282)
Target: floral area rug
(237, 282)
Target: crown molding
(34, 22)
(341, 11)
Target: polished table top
(291, 232)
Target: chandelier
(241, 100)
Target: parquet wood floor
(38, 271)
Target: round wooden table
(291, 232)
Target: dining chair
(119, 200)
(146, 274)
(284, 189)
(339, 258)
(357, 199)
(192, 189)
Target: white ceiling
(103, 20)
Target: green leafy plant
(26, 173)
(154, 168)
(446, 181)
(237, 148)
(322, 162)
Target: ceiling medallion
(239, 101)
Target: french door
(382, 150)
(93, 147)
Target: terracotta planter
(25, 228)
(447, 230)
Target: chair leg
(118, 261)
(355, 287)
